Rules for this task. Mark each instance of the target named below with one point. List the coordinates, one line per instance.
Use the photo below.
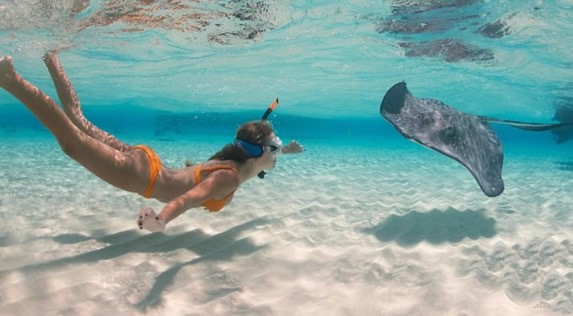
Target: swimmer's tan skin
(120, 164)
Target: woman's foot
(149, 221)
(6, 70)
(51, 59)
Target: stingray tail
(536, 127)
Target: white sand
(335, 231)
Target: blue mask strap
(252, 150)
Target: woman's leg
(127, 171)
(72, 106)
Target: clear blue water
(173, 71)
(321, 59)
(180, 76)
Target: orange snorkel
(270, 109)
(265, 116)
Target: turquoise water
(181, 76)
(321, 59)
(324, 61)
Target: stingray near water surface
(463, 137)
(564, 114)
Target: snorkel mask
(256, 150)
(275, 147)
(252, 150)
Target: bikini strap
(199, 168)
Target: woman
(137, 168)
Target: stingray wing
(460, 136)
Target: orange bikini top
(213, 205)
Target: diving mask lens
(275, 146)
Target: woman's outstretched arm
(218, 184)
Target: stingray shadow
(435, 227)
(565, 165)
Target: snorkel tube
(270, 109)
(264, 118)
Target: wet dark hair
(255, 132)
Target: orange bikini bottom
(154, 169)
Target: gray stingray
(463, 137)
(564, 114)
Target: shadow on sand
(565, 165)
(218, 247)
(435, 227)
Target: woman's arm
(219, 183)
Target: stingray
(460, 136)
(464, 137)
(564, 114)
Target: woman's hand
(149, 221)
(293, 148)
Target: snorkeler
(138, 169)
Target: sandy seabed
(334, 231)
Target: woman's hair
(255, 132)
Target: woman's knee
(71, 144)
(69, 147)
